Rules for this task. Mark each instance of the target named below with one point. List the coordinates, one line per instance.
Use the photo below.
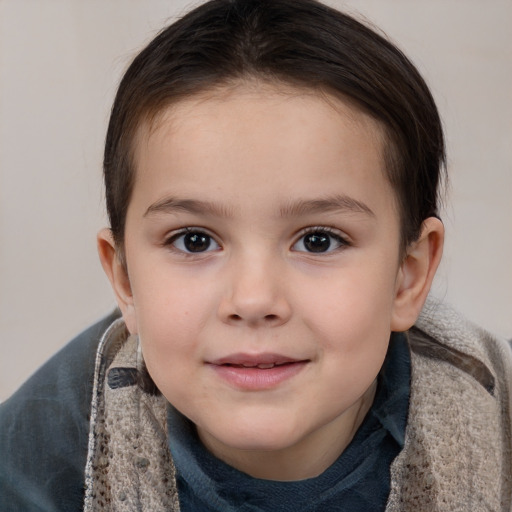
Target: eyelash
(332, 233)
(171, 241)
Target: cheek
(353, 335)
(352, 306)
(171, 313)
(353, 332)
(170, 296)
(170, 330)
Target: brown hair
(298, 42)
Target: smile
(257, 372)
(261, 366)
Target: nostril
(267, 318)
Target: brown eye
(319, 241)
(193, 242)
(196, 242)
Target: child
(271, 172)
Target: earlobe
(416, 274)
(118, 276)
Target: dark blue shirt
(358, 480)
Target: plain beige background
(60, 61)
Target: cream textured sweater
(458, 446)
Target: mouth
(257, 372)
(261, 366)
(263, 360)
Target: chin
(259, 438)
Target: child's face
(262, 247)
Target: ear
(117, 274)
(416, 274)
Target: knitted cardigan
(458, 446)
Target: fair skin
(263, 273)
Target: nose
(256, 294)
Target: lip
(257, 372)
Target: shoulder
(460, 372)
(458, 445)
(442, 334)
(44, 429)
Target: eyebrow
(173, 205)
(337, 203)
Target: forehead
(244, 137)
(244, 94)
